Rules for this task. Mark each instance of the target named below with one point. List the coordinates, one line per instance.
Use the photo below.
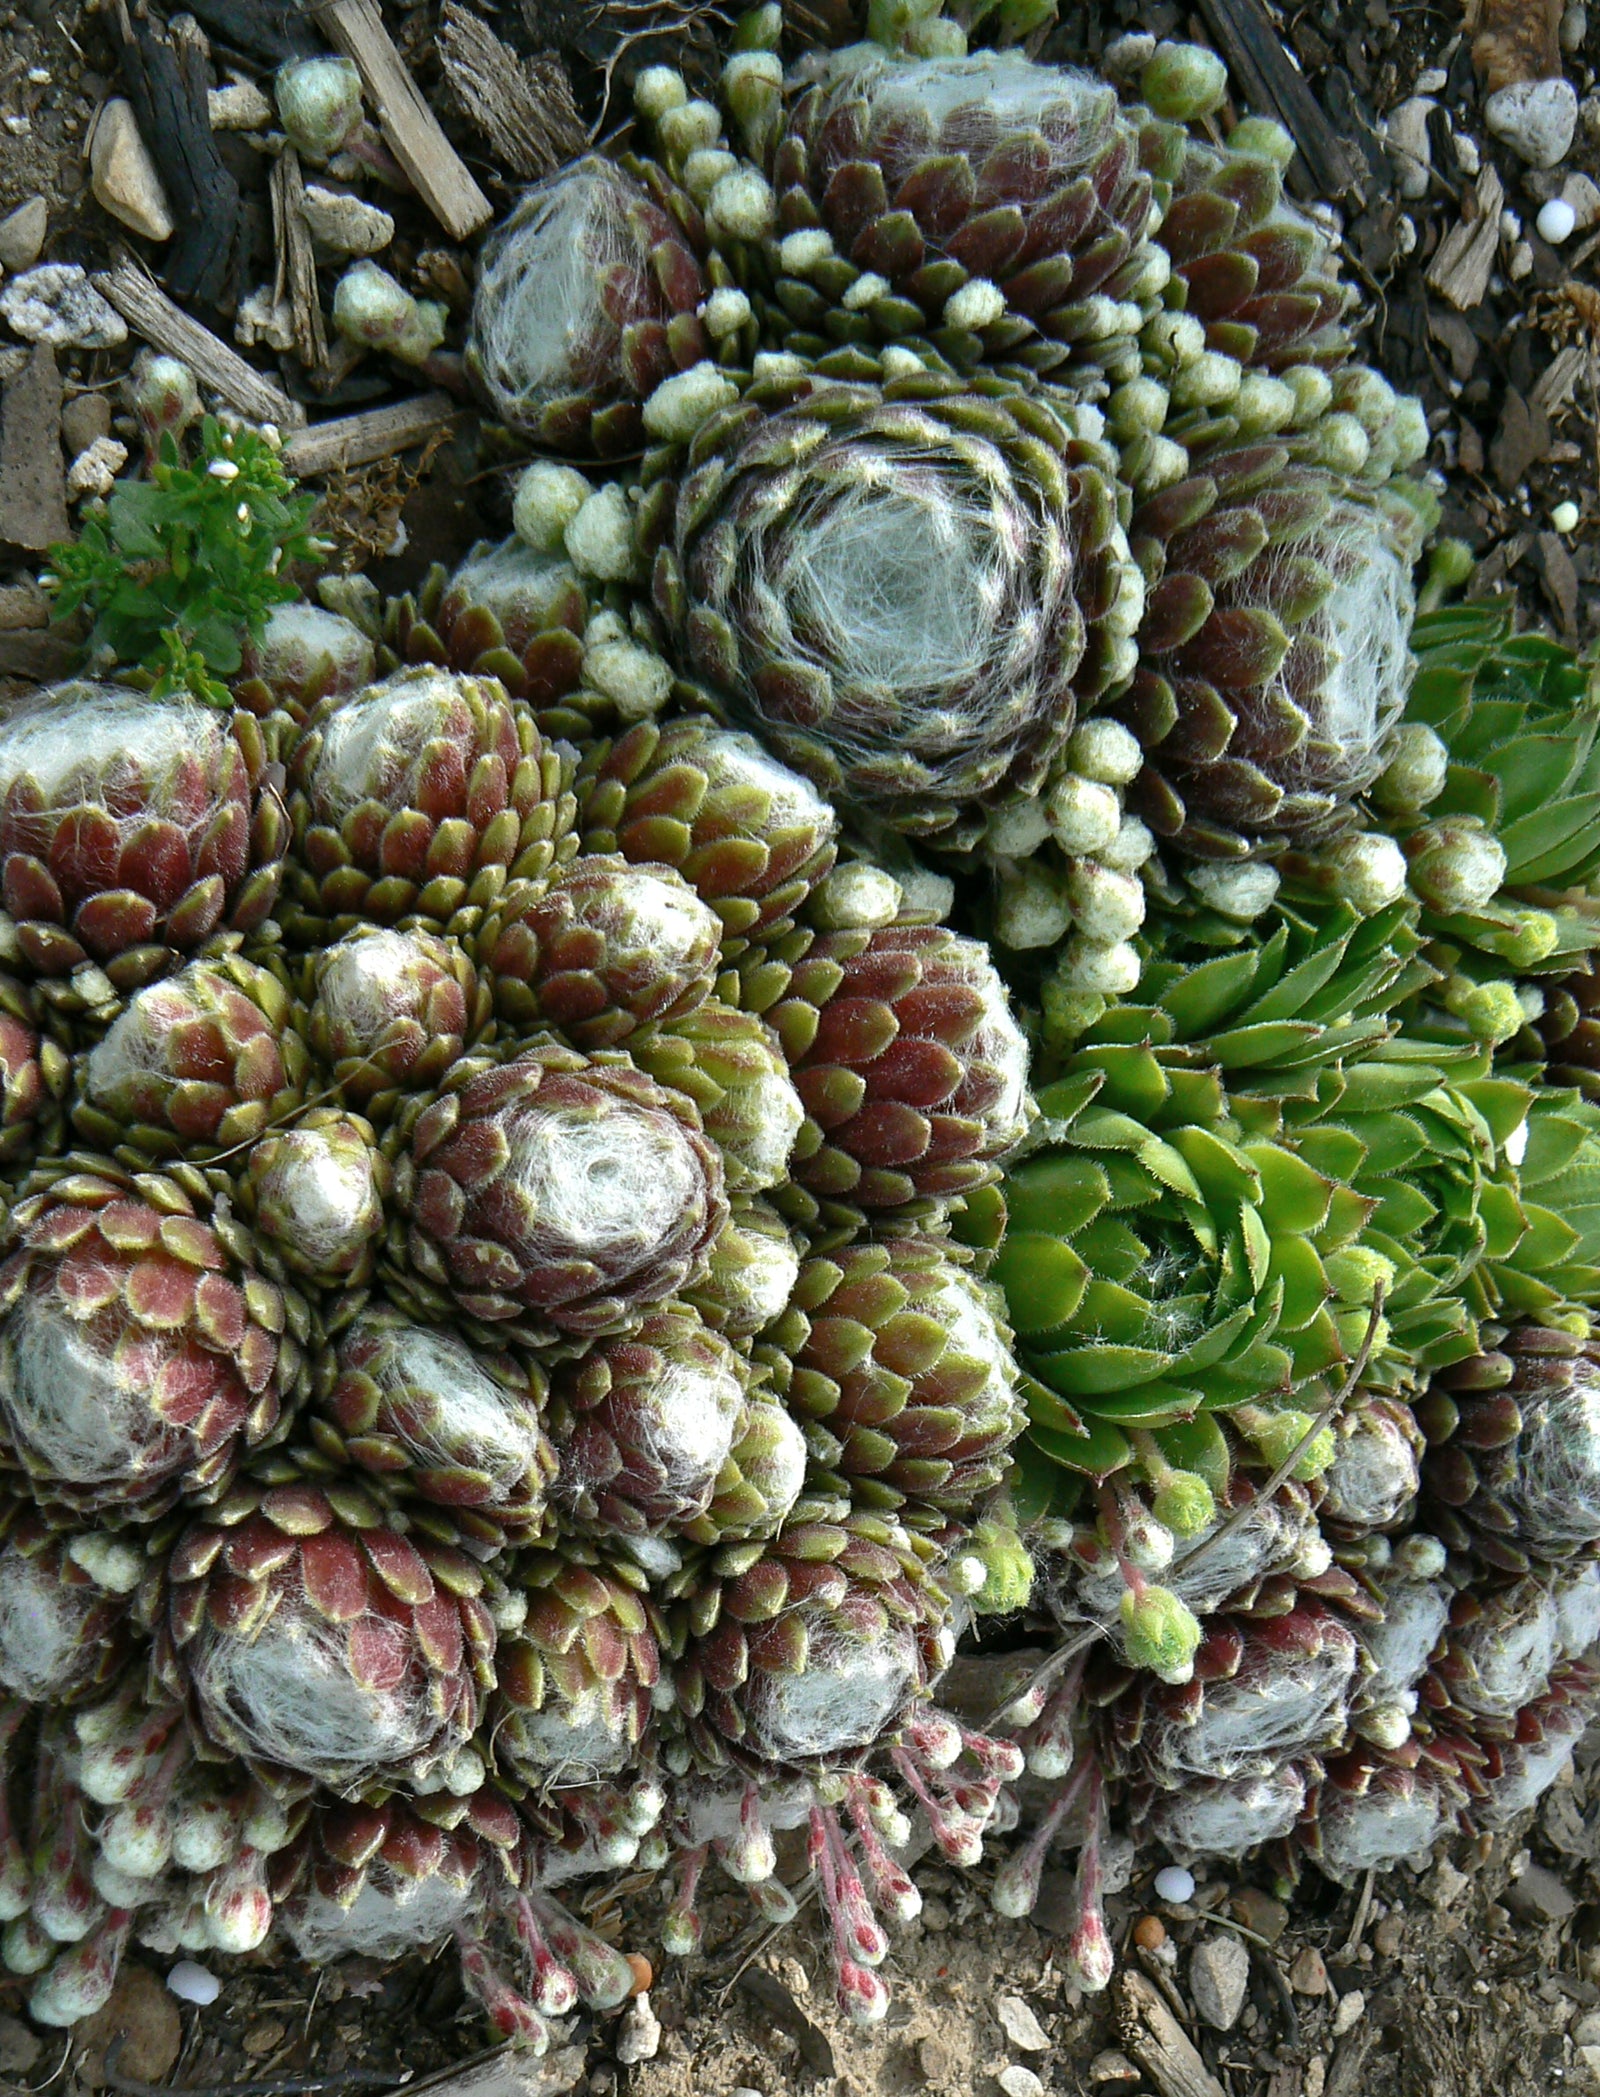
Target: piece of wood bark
(33, 482)
(523, 107)
(355, 27)
(1274, 86)
(168, 76)
(1152, 2036)
(1461, 270)
(271, 30)
(297, 262)
(1514, 40)
(357, 440)
(150, 313)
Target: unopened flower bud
(1263, 405)
(1455, 865)
(1083, 815)
(1183, 82)
(658, 89)
(1416, 771)
(1184, 1503)
(1492, 1012)
(1032, 909)
(548, 497)
(1420, 1557)
(800, 253)
(1007, 1568)
(1105, 751)
(1159, 1632)
(1107, 907)
(319, 103)
(725, 312)
(371, 308)
(742, 205)
(978, 304)
(1131, 848)
(705, 168)
(1139, 405)
(1342, 445)
(165, 396)
(1147, 1544)
(1312, 390)
(688, 127)
(854, 896)
(1210, 381)
(1238, 888)
(599, 540)
(1110, 971)
(679, 405)
(1366, 871)
(635, 679)
(1356, 1273)
(1265, 138)
(1277, 1432)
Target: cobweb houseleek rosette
(552, 1195)
(417, 797)
(586, 299)
(992, 209)
(131, 829)
(510, 611)
(907, 592)
(1273, 659)
(1512, 1473)
(140, 1358)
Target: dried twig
(1274, 85)
(147, 309)
(523, 107)
(355, 27)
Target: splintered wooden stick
(1158, 2042)
(356, 440)
(166, 327)
(523, 108)
(355, 27)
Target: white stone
(192, 1983)
(56, 303)
(1556, 221)
(1574, 27)
(22, 234)
(1535, 118)
(1432, 81)
(95, 469)
(1468, 158)
(639, 2034)
(262, 319)
(1352, 2008)
(1564, 517)
(1409, 146)
(344, 223)
(1577, 190)
(1020, 2082)
(123, 176)
(1521, 263)
(1219, 1975)
(241, 106)
(1021, 2026)
(1174, 1883)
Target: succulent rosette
(570, 1307)
(586, 299)
(906, 592)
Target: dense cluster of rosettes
(538, 1307)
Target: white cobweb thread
(72, 1413)
(1364, 625)
(1578, 1612)
(1415, 1612)
(42, 1620)
(1373, 1477)
(903, 564)
(1554, 1492)
(326, 1194)
(1369, 1831)
(514, 581)
(289, 1696)
(570, 1742)
(606, 1181)
(1226, 1819)
(1276, 1705)
(374, 745)
(446, 1408)
(970, 103)
(365, 982)
(541, 332)
(1507, 1651)
(847, 1694)
(382, 1922)
(98, 746)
